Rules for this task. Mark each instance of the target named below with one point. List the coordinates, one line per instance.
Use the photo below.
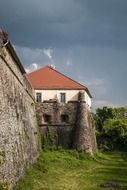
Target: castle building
(50, 84)
(63, 108)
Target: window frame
(38, 99)
(63, 97)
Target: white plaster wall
(71, 95)
(87, 99)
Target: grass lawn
(69, 170)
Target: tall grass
(70, 170)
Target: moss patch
(3, 185)
(2, 156)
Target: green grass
(69, 170)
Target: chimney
(52, 66)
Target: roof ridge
(66, 76)
(37, 70)
(72, 80)
(62, 74)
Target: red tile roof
(48, 78)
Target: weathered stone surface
(58, 136)
(77, 133)
(84, 135)
(18, 127)
(3, 37)
(55, 110)
(61, 132)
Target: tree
(116, 130)
(111, 127)
(102, 115)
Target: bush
(116, 130)
(111, 128)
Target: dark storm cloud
(43, 20)
(65, 23)
(88, 39)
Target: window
(47, 118)
(62, 97)
(64, 118)
(38, 97)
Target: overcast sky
(85, 39)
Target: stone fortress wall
(61, 119)
(67, 124)
(18, 126)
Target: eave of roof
(58, 87)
